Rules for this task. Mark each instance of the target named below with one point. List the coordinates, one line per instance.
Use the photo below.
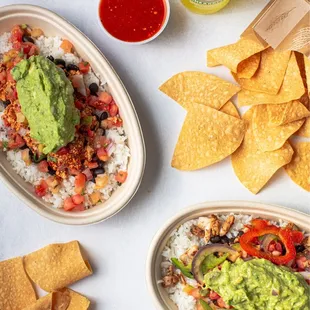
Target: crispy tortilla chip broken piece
(299, 168)
(57, 265)
(284, 113)
(270, 74)
(233, 54)
(191, 87)
(269, 138)
(291, 89)
(253, 167)
(16, 291)
(207, 137)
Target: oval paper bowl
(153, 269)
(54, 25)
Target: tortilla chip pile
(52, 268)
(212, 129)
(276, 84)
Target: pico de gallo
(91, 116)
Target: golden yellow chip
(16, 291)
(299, 168)
(233, 54)
(283, 113)
(253, 167)
(57, 265)
(230, 109)
(212, 62)
(52, 301)
(78, 301)
(291, 89)
(270, 74)
(270, 138)
(307, 69)
(248, 67)
(207, 136)
(199, 87)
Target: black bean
(98, 171)
(60, 62)
(103, 116)
(72, 67)
(225, 239)
(24, 147)
(100, 163)
(215, 239)
(6, 103)
(51, 171)
(28, 39)
(300, 248)
(51, 58)
(240, 233)
(93, 87)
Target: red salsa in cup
(132, 20)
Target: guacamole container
(54, 25)
(154, 258)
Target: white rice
(5, 45)
(119, 152)
(30, 173)
(3, 130)
(180, 241)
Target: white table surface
(118, 247)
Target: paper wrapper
(57, 266)
(284, 25)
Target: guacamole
(259, 284)
(46, 98)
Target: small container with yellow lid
(205, 6)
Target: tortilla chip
(233, 54)
(52, 301)
(299, 168)
(207, 136)
(253, 167)
(280, 114)
(78, 301)
(191, 87)
(212, 62)
(307, 69)
(304, 131)
(16, 291)
(270, 138)
(248, 67)
(291, 89)
(230, 109)
(56, 266)
(270, 74)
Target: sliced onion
(266, 241)
(78, 83)
(305, 274)
(203, 253)
(111, 148)
(88, 174)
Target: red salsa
(132, 20)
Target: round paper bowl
(54, 25)
(162, 28)
(154, 258)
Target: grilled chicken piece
(227, 225)
(188, 256)
(215, 225)
(197, 231)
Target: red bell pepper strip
(284, 235)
